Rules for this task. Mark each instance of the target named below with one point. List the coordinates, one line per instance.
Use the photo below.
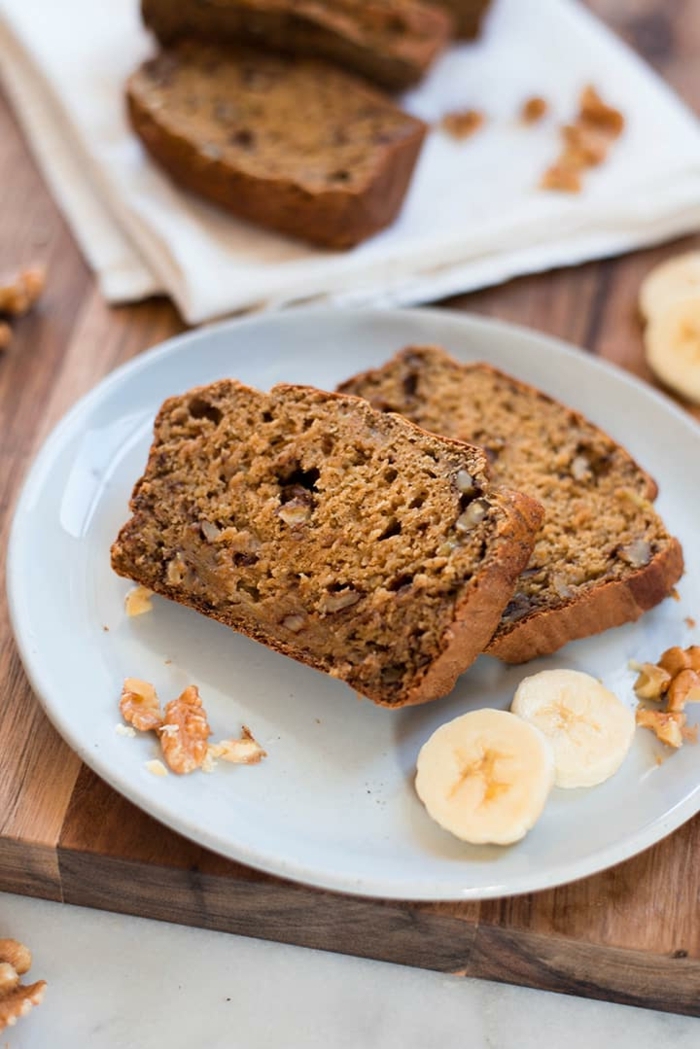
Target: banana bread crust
(468, 15)
(218, 122)
(342, 537)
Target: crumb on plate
(156, 767)
(138, 601)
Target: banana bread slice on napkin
(343, 537)
(297, 146)
(391, 42)
(603, 555)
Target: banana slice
(676, 278)
(589, 728)
(485, 776)
(672, 342)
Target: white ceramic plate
(333, 805)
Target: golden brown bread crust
(476, 620)
(603, 556)
(391, 42)
(339, 200)
(468, 15)
(611, 604)
(329, 532)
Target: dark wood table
(631, 934)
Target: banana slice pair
(669, 301)
(486, 776)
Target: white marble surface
(117, 982)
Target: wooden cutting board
(631, 934)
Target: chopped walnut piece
(668, 727)
(336, 602)
(294, 513)
(18, 1002)
(5, 335)
(533, 109)
(139, 705)
(586, 145)
(19, 292)
(587, 142)
(9, 978)
(562, 178)
(16, 999)
(243, 751)
(462, 122)
(17, 955)
(184, 732)
(138, 601)
(693, 654)
(684, 688)
(210, 531)
(637, 554)
(674, 660)
(474, 514)
(464, 483)
(594, 111)
(628, 495)
(294, 622)
(652, 682)
(580, 468)
(176, 571)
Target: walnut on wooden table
(18, 293)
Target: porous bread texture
(343, 537)
(391, 42)
(297, 146)
(603, 555)
(468, 15)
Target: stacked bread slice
(603, 555)
(339, 535)
(390, 42)
(274, 109)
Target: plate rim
(374, 887)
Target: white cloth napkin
(473, 216)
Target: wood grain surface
(631, 934)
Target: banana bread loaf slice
(467, 14)
(343, 537)
(603, 555)
(392, 42)
(297, 146)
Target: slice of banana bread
(297, 146)
(603, 555)
(468, 15)
(392, 42)
(343, 537)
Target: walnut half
(16, 999)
